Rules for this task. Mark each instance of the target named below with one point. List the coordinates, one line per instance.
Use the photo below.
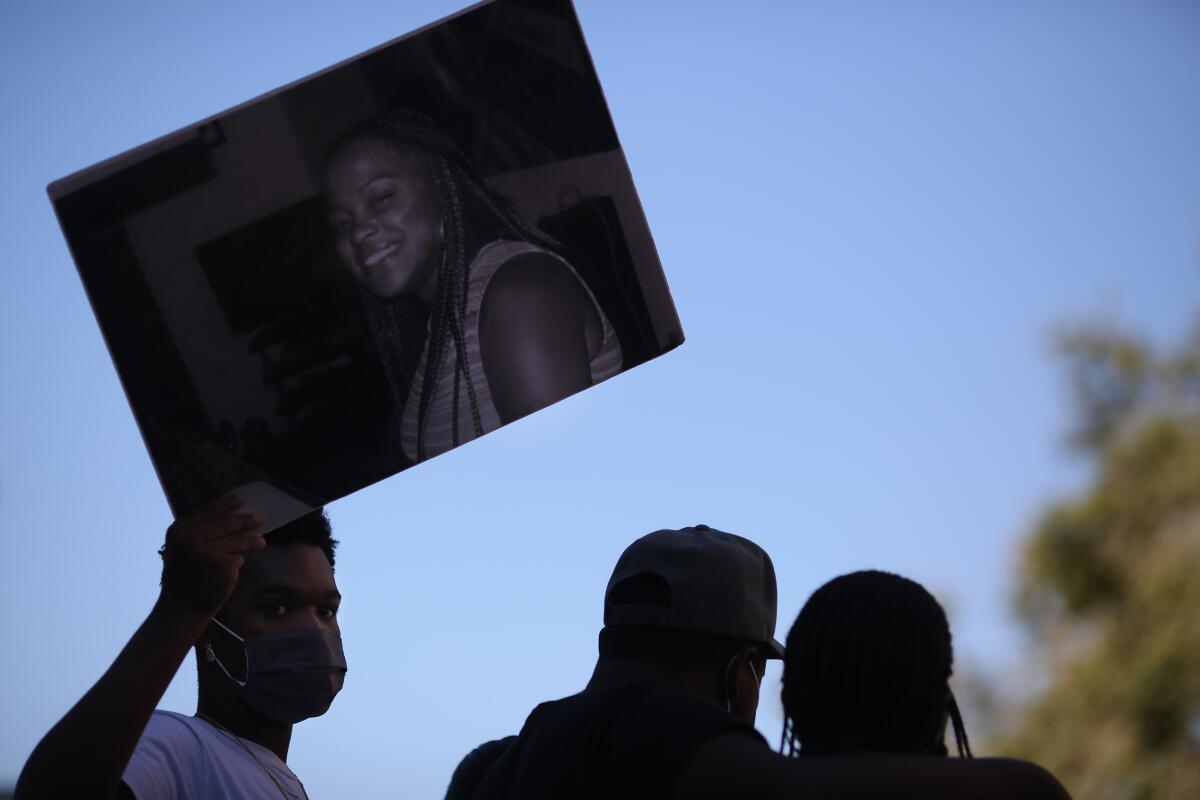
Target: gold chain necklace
(286, 794)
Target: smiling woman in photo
(511, 327)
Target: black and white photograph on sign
(359, 272)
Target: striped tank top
(438, 434)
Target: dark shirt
(474, 767)
(632, 742)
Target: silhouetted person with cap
(668, 713)
(688, 616)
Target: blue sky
(872, 216)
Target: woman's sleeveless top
(438, 427)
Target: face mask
(289, 676)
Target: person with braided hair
(868, 666)
(477, 316)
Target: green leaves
(1110, 582)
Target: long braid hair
(399, 325)
(868, 666)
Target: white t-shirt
(184, 757)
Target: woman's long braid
(452, 309)
(787, 741)
(511, 223)
(960, 731)
(463, 372)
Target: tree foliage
(1110, 580)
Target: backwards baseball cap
(707, 581)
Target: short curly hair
(313, 528)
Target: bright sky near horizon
(872, 217)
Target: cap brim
(774, 650)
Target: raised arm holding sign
(227, 591)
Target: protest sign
(357, 272)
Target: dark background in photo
(240, 342)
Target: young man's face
(281, 588)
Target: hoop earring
(209, 655)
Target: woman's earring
(209, 655)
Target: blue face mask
(289, 676)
